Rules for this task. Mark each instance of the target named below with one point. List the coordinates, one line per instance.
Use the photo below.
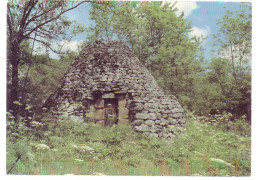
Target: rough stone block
(157, 122)
(103, 78)
(123, 113)
(165, 135)
(138, 106)
(100, 122)
(153, 116)
(153, 135)
(121, 103)
(154, 129)
(99, 104)
(108, 95)
(142, 116)
(149, 122)
(142, 128)
(172, 121)
(123, 121)
(177, 115)
(172, 128)
(99, 114)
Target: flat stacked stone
(107, 67)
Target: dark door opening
(111, 111)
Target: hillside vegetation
(67, 147)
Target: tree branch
(26, 13)
(9, 26)
(48, 65)
(10, 21)
(45, 35)
(39, 15)
(52, 19)
(47, 45)
(10, 13)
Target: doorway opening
(110, 108)
(111, 111)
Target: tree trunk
(14, 59)
(233, 63)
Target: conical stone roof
(110, 68)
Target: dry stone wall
(109, 68)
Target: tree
(235, 37)
(43, 79)
(160, 40)
(33, 20)
(104, 18)
(220, 78)
(234, 40)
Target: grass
(87, 149)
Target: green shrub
(20, 158)
(85, 148)
(242, 126)
(100, 150)
(56, 141)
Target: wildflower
(221, 161)
(79, 160)
(87, 148)
(42, 147)
(30, 156)
(99, 174)
(198, 153)
(28, 107)
(15, 134)
(32, 144)
(74, 146)
(17, 103)
(35, 123)
(196, 175)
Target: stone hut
(108, 80)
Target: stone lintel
(108, 96)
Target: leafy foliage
(234, 40)
(160, 40)
(32, 21)
(85, 148)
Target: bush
(83, 148)
(20, 158)
(241, 126)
